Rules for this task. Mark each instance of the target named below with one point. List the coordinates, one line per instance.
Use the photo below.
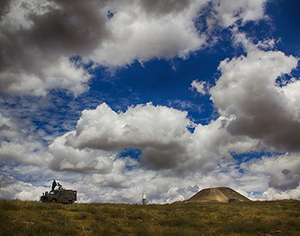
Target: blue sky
(117, 98)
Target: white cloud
(281, 172)
(275, 177)
(127, 185)
(229, 12)
(185, 105)
(39, 37)
(64, 157)
(141, 35)
(7, 128)
(23, 152)
(199, 86)
(140, 126)
(62, 74)
(173, 159)
(273, 194)
(161, 133)
(13, 189)
(117, 177)
(16, 145)
(248, 94)
(255, 111)
(157, 130)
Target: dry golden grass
(254, 218)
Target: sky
(119, 98)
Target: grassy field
(255, 218)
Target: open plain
(247, 218)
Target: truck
(59, 195)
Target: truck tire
(54, 200)
(70, 202)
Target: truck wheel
(54, 200)
(70, 202)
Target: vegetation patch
(248, 218)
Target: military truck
(59, 195)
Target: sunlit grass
(255, 218)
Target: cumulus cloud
(14, 189)
(62, 74)
(260, 109)
(157, 130)
(161, 133)
(255, 110)
(140, 126)
(39, 37)
(281, 172)
(273, 194)
(117, 177)
(16, 145)
(85, 160)
(127, 184)
(248, 100)
(144, 30)
(227, 13)
(170, 153)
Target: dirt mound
(221, 194)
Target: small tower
(144, 199)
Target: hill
(245, 218)
(221, 194)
